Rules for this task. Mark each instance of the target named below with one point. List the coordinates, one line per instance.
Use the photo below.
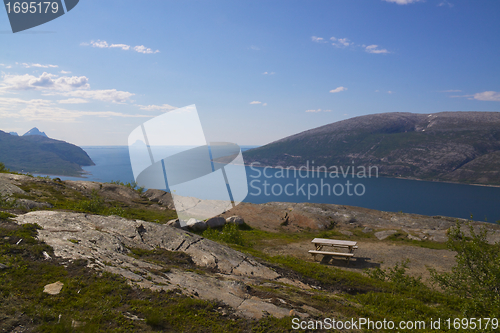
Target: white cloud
(268, 73)
(338, 89)
(390, 92)
(46, 110)
(109, 95)
(121, 46)
(38, 65)
(490, 96)
(375, 49)
(145, 50)
(403, 2)
(164, 107)
(65, 72)
(71, 86)
(318, 39)
(446, 3)
(73, 101)
(340, 42)
(255, 102)
(264, 104)
(450, 91)
(318, 110)
(45, 81)
(56, 114)
(345, 42)
(102, 44)
(255, 48)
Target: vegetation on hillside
(447, 146)
(100, 302)
(38, 154)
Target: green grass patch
(100, 302)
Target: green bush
(132, 185)
(3, 168)
(397, 276)
(230, 234)
(94, 205)
(476, 276)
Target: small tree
(2, 167)
(476, 276)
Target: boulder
(235, 219)
(346, 233)
(384, 234)
(216, 222)
(161, 197)
(196, 225)
(104, 241)
(53, 288)
(174, 223)
(411, 237)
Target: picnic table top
(333, 242)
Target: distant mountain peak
(14, 133)
(35, 131)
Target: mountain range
(447, 146)
(34, 152)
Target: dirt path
(371, 254)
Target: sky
(257, 70)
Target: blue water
(386, 194)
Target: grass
(377, 294)
(63, 197)
(132, 185)
(100, 302)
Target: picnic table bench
(319, 243)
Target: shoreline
(384, 176)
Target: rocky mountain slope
(40, 154)
(446, 146)
(86, 256)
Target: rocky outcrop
(446, 146)
(161, 197)
(105, 241)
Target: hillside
(79, 256)
(446, 146)
(40, 154)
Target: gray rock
(196, 225)
(7, 188)
(414, 237)
(53, 288)
(83, 185)
(346, 232)
(367, 230)
(30, 204)
(118, 192)
(235, 219)
(161, 197)
(174, 223)
(2, 266)
(216, 222)
(104, 241)
(381, 235)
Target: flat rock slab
(381, 235)
(7, 188)
(105, 242)
(53, 288)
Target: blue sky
(256, 70)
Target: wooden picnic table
(319, 243)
